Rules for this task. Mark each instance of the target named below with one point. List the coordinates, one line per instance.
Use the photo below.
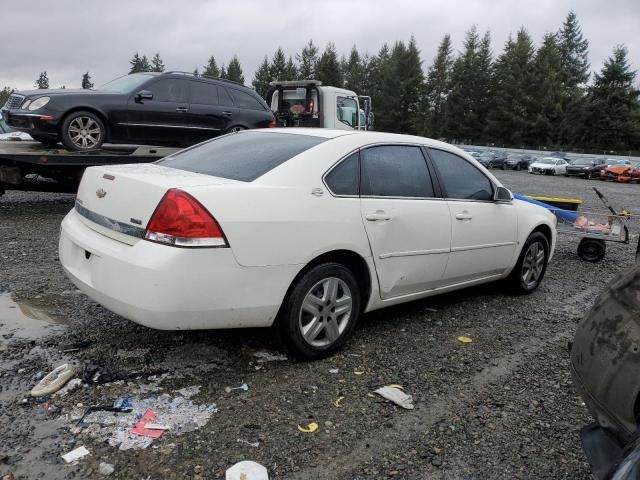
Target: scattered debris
(76, 454)
(122, 403)
(54, 381)
(269, 357)
(102, 408)
(188, 392)
(396, 396)
(71, 385)
(140, 428)
(244, 387)
(247, 442)
(431, 309)
(96, 375)
(312, 427)
(8, 476)
(334, 370)
(247, 470)
(105, 469)
(358, 372)
(463, 339)
(338, 402)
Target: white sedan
(303, 229)
(549, 166)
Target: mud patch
(26, 321)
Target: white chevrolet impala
(299, 229)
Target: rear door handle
(182, 109)
(227, 114)
(463, 216)
(379, 216)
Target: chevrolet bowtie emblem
(100, 193)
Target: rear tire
(82, 132)
(517, 168)
(235, 129)
(320, 312)
(529, 271)
(592, 250)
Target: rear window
(241, 156)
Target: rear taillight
(181, 221)
(272, 124)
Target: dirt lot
(500, 407)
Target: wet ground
(502, 406)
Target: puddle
(22, 320)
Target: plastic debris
(396, 396)
(140, 428)
(122, 403)
(269, 357)
(96, 375)
(247, 442)
(431, 309)
(76, 454)
(334, 370)
(463, 339)
(338, 402)
(105, 469)
(188, 392)
(244, 387)
(312, 427)
(395, 385)
(70, 386)
(358, 372)
(247, 470)
(54, 381)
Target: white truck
(308, 103)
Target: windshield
(547, 161)
(241, 156)
(582, 161)
(126, 84)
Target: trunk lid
(118, 201)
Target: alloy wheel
(533, 264)
(84, 132)
(326, 311)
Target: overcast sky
(69, 37)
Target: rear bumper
(170, 288)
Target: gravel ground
(501, 407)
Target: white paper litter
(269, 357)
(396, 396)
(76, 454)
(247, 470)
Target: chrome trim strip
(480, 247)
(13, 114)
(165, 126)
(110, 223)
(413, 253)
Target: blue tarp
(568, 215)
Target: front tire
(320, 312)
(529, 271)
(82, 132)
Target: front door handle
(378, 216)
(227, 114)
(463, 216)
(182, 109)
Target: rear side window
(224, 98)
(203, 93)
(344, 179)
(245, 100)
(395, 171)
(461, 179)
(241, 156)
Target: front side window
(169, 90)
(461, 179)
(395, 171)
(245, 100)
(347, 111)
(344, 179)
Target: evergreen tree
(290, 70)
(328, 68)
(307, 61)
(278, 67)
(574, 51)
(262, 77)
(510, 119)
(4, 94)
(136, 64)
(223, 72)
(354, 72)
(547, 92)
(437, 86)
(234, 71)
(156, 63)
(43, 81)
(211, 68)
(145, 64)
(86, 81)
(612, 119)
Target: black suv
(173, 108)
(586, 167)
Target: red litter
(140, 427)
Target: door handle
(182, 109)
(463, 216)
(227, 114)
(379, 216)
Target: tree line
(525, 96)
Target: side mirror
(502, 195)
(144, 95)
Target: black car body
(519, 161)
(605, 363)
(173, 108)
(493, 159)
(585, 167)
